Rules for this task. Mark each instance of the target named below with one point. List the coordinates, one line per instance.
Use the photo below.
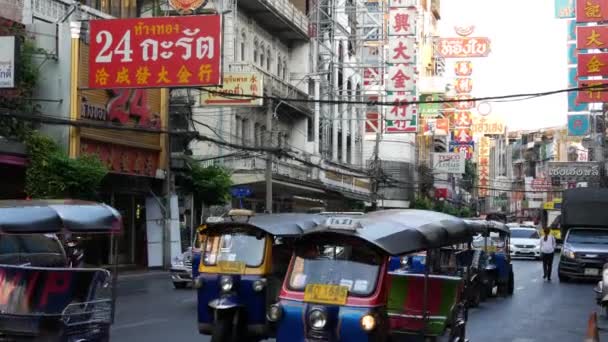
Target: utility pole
(269, 113)
(376, 168)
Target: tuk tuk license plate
(326, 294)
(231, 267)
(592, 271)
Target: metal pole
(269, 113)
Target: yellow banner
(488, 125)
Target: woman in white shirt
(547, 250)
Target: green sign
(430, 110)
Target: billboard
(244, 83)
(155, 52)
(449, 162)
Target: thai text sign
(592, 64)
(449, 162)
(591, 11)
(574, 170)
(7, 61)
(591, 37)
(597, 91)
(564, 9)
(488, 126)
(155, 52)
(464, 47)
(236, 86)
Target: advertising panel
(249, 83)
(430, 110)
(462, 135)
(155, 52)
(463, 68)
(467, 149)
(578, 125)
(448, 162)
(591, 37)
(7, 61)
(464, 47)
(588, 11)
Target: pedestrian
(547, 249)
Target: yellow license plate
(233, 267)
(326, 294)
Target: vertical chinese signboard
(401, 117)
(155, 52)
(483, 167)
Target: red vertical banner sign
(588, 11)
(155, 52)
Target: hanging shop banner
(462, 47)
(588, 11)
(592, 64)
(465, 102)
(462, 135)
(402, 21)
(7, 61)
(401, 78)
(236, 86)
(402, 126)
(572, 54)
(467, 149)
(463, 68)
(435, 127)
(483, 166)
(572, 30)
(591, 95)
(463, 85)
(578, 125)
(591, 37)
(488, 125)
(449, 162)
(401, 108)
(463, 119)
(430, 110)
(402, 50)
(155, 52)
(564, 9)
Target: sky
(529, 55)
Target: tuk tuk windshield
(353, 266)
(236, 247)
(495, 242)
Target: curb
(145, 274)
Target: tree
(469, 178)
(211, 184)
(53, 174)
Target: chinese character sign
(592, 64)
(463, 119)
(588, 11)
(462, 135)
(483, 166)
(463, 68)
(463, 85)
(401, 50)
(592, 37)
(401, 78)
(597, 91)
(564, 9)
(155, 52)
(401, 117)
(235, 84)
(402, 21)
(467, 149)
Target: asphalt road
(150, 310)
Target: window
(279, 65)
(285, 69)
(243, 46)
(525, 233)
(268, 59)
(257, 134)
(238, 128)
(255, 51)
(262, 55)
(263, 135)
(245, 131)
(241, 248)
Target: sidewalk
(131, 274)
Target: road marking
(140, 323)
(519, 288)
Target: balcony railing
(279, 87)
(57, 9)
(285, 10)
(286, 169)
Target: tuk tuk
(493, 238)
(242, 264)
(341, 285)
(43, 299)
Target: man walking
(547, 250)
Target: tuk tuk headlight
(274, 313)
(226, 283)
(198, 282)
(317, 319)
(258, 285)
(368, 322)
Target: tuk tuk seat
(406, 302)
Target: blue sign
(571, 30)
(578, 125)
(240, 192)
(572, 55)
(573, 106)
(564, 9)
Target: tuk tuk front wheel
(222, 330)
(511, 285)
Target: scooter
(601, 291)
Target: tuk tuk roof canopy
(275, 224)
(57, 216)
(483, 226)
(399, 231)
(584, 208)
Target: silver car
(181, 270)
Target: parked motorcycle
(601, 291)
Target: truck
(551, 217)
(584, 226)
